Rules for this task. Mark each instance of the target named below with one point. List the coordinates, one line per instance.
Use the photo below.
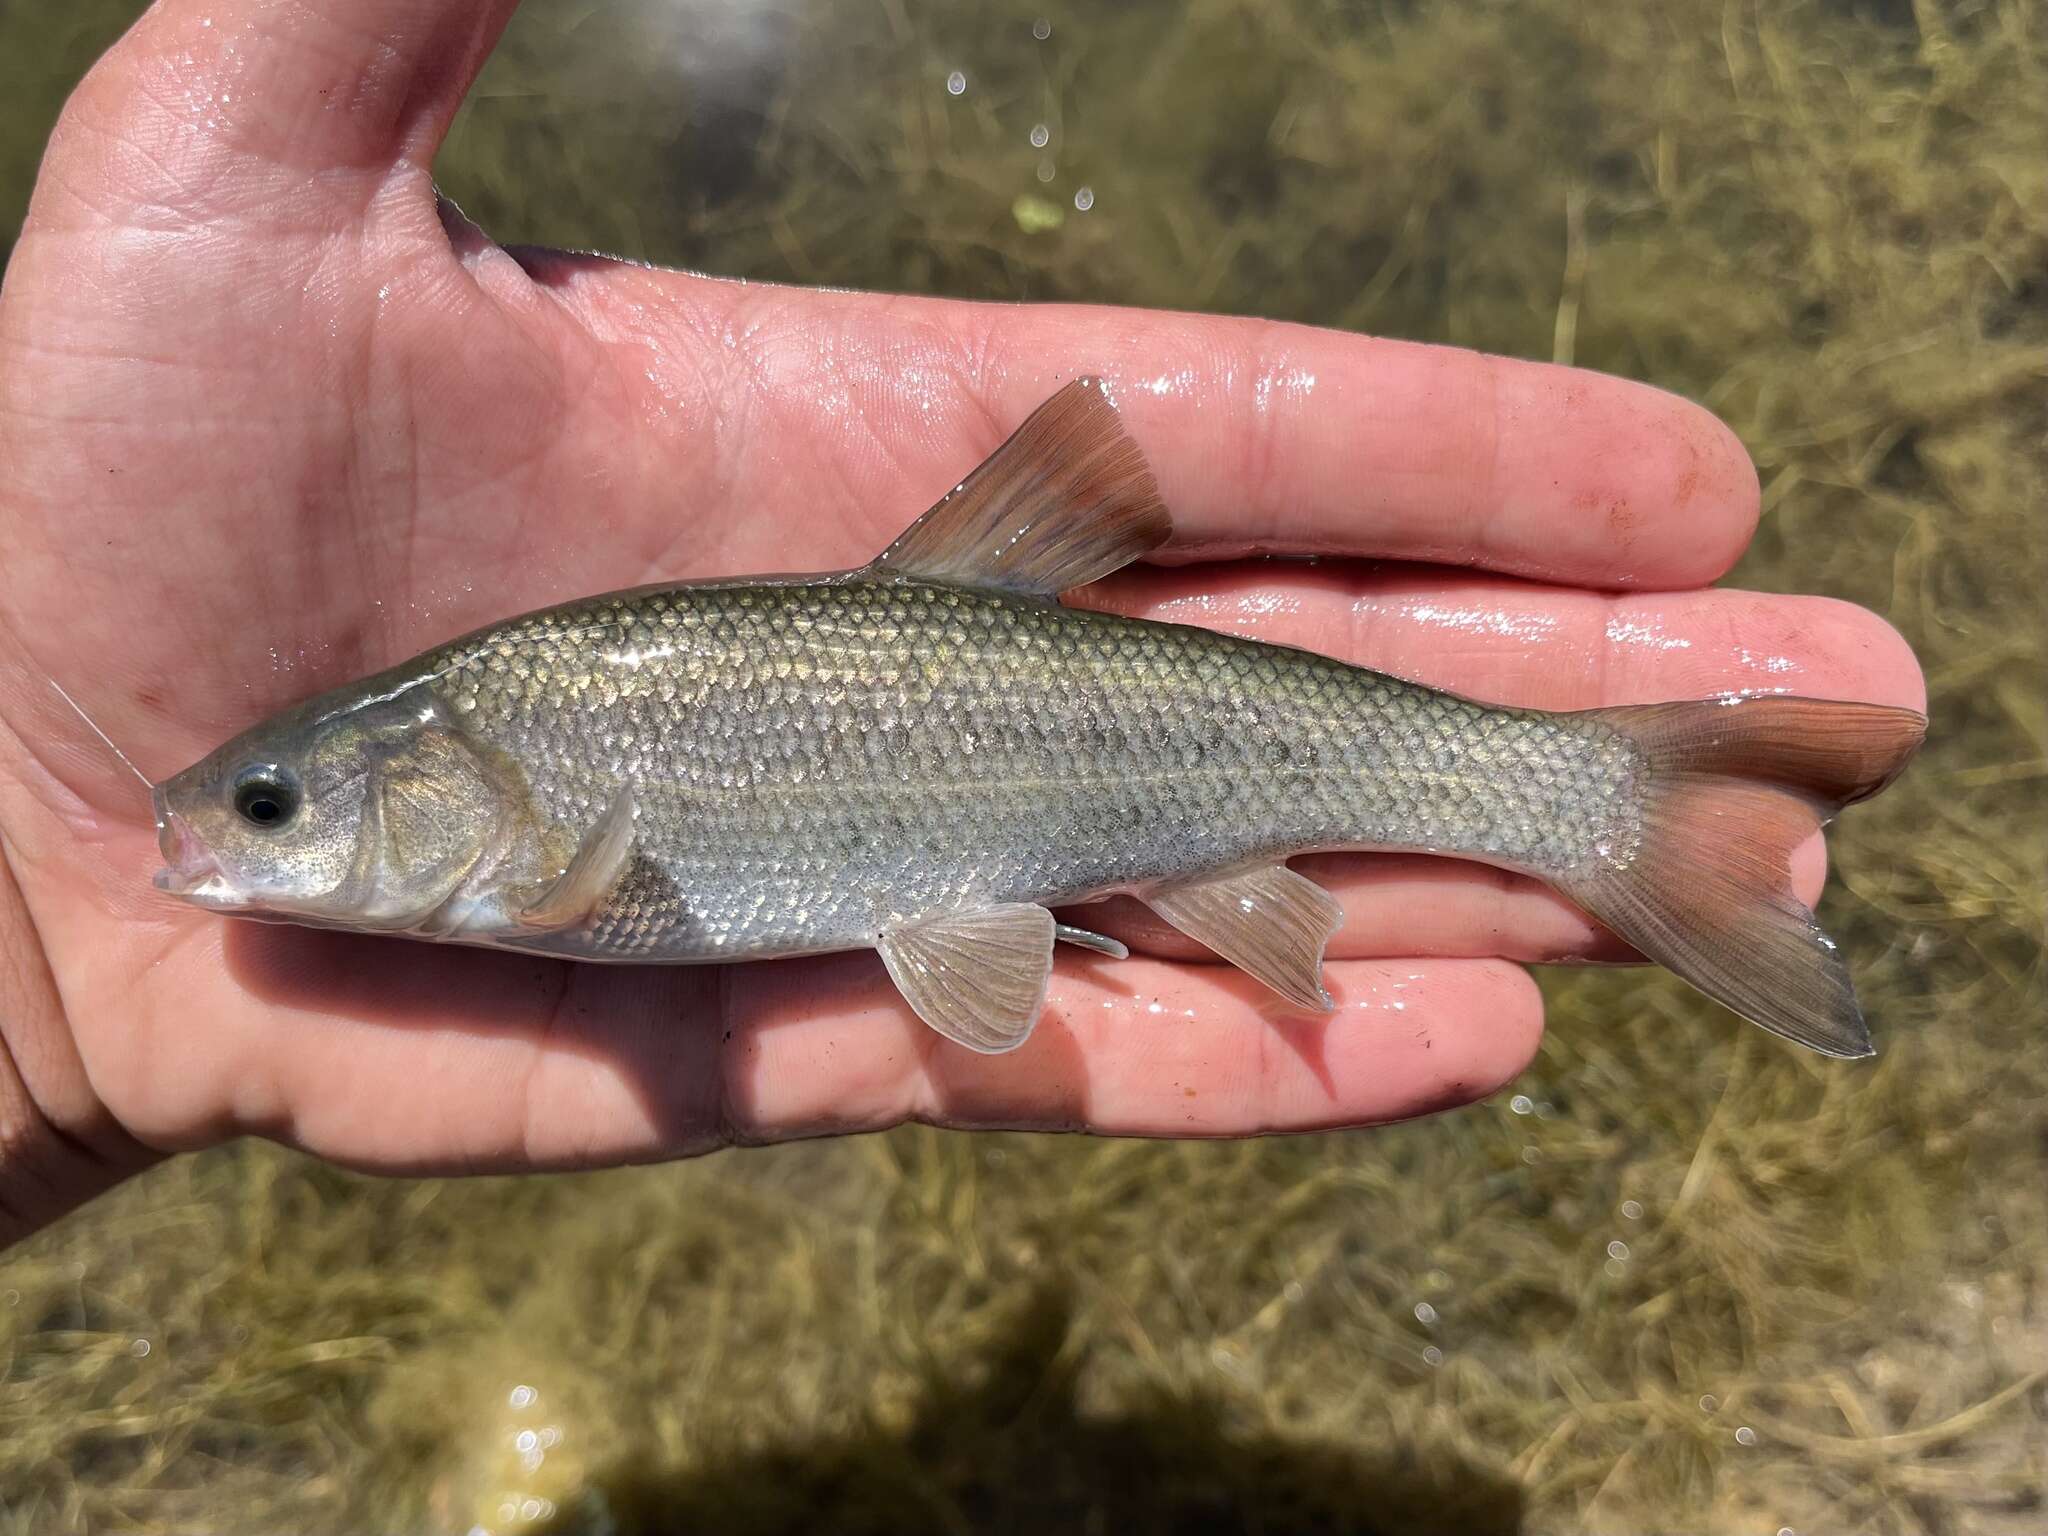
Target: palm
(301, 436)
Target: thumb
(232, 102)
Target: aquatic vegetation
(1678, 1278)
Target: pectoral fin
(978, 978)
(1067, 499)
(592, 874)
(1267, 921)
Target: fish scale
(813, 762)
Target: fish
(932, 755)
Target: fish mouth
(191, 871)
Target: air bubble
(1631, 1210)
(1432, 1356)
(1085, 199)
(139, 1348)
(1425, 1314)
(1041, 29)
(1745, 1436)
(1521, 1104)
(956, 84)
(523, 1396)
(1617, 1249)
(1040, 135)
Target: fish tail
(1733, 786)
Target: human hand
(271, 419)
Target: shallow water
(1675, 1278)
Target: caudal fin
(1733, 787)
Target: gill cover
(367, 808)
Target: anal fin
(978, 978)
(1269, 922)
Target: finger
(1264, 437)
(1283, 438)
(1535, 646)
(1512, 643)
(221, 99)
(404, 1057)
(1135, 1048)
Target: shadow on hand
(1012, 1449)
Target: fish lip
(191, 871)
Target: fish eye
(266, 797)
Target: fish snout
(188, 863)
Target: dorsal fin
(1067, 499)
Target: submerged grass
(1686, 1280)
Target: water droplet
(1040, 135)
(1617, 1249)
(1432, 1356)
(1425, 1314)
(1521, 1104)
(1085, 199)
(139, 1348)
(1045, 169)
(1041, 29)
(1709, 1402)
(523, 1396)
(1631, 1210)
(956, 84)
(1745, 1436)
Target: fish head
(359, 809)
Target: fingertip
(1714, 489)
(1639, 484)
(1875, 657)
(1489, 1038)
